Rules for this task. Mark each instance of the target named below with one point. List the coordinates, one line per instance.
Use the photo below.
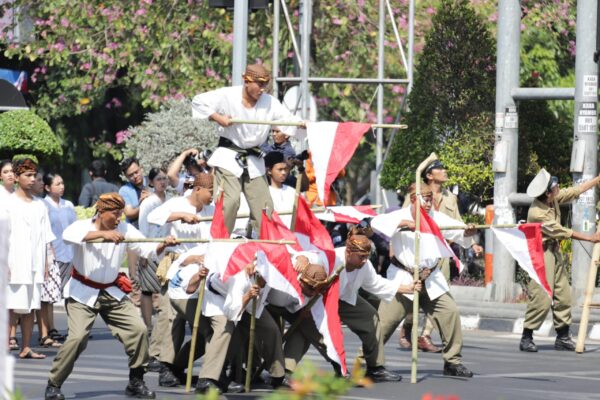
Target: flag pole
(587, 299)
(294, 123)
(190, 240)
(415, 327)
(188, 380)
(251, 345)
(463, 227)
(295, 208)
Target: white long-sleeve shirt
(239, 284)
(228, 101)
(403, 244)
(180, 229)
(364, 277)
(100, 262)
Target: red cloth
(122, 281)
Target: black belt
(550, 244)
(211, 288)
(242, 154)
(410, 270)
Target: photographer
(194, 162)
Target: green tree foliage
(452, 102)
(23, 132)
(166, 133)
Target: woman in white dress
(147, 272)
(7, 176)
(30, 234)
(62, 214)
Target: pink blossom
(398, 89)
(336, 21)
(290, 54)
(140, 12)
(388, 120)
(148, 71)
(64, 22)
(86, 66)
(362, 18)
(146, 2)
(430, 10)
(122, 136)
(360, 3)
(572, 48)
(58, 47)
(62, 98)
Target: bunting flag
(218, 230)
(524, 243)
(432, 242)
(332, 145)
(346, 214)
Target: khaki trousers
(123, 321)
(539, 302)
(168, 332)
(299, 341)
(214, 331)
(442, 310)
(256, 191)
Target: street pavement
(501, 371)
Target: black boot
(53, 392)
(137, 387)
(527, 341)
(380, 374)
(563, 340)
(167, 377)
(154, 365)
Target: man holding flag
(546, 209)
(435, 300)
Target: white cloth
(179, 278)
(239, 284)
(100, 262)
(402, 245)
(61, 215)
(228, 101)
(283, 200)
(30, 232)
(179, 229)
(24, 298)
(364, 277)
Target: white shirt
(402, 244)
(239, 284)
(213, 303)
(283, 200)
(151, 230)
(179, 229)
(30, 232)
(228, 101)
(100, 262)
(365, 277)
(61, 215)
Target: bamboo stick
(415, 327)
(189, 240)
(294, 123)
(459, 227)
(587, 300)
(188, 379)
(251, 346)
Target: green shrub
(22, 131)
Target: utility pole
(585, 139)
(240, 41)
(506, 143)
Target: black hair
(127, 163)
(154, 173)
(98, 169)
(48, 179)
(3, 163)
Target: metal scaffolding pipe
(358, 81)
(543, 93)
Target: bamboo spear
(294, 123)
(587, 300)
(250, 346)
(415, 327)
(190, 240)
(188, 380)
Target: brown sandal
(13, 343)
(47, 341)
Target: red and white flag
(346, 214)
(332, 144)
(312, 235)
(273, 263)
(432, 243)
(218, 230)
(524, 243)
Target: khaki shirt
(550, 216)
(444, 202)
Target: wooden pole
(293, 123)
(415, 328)
(295, 208)
(188, 380)
(186, 240)
(251, 347)
(587, 300)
